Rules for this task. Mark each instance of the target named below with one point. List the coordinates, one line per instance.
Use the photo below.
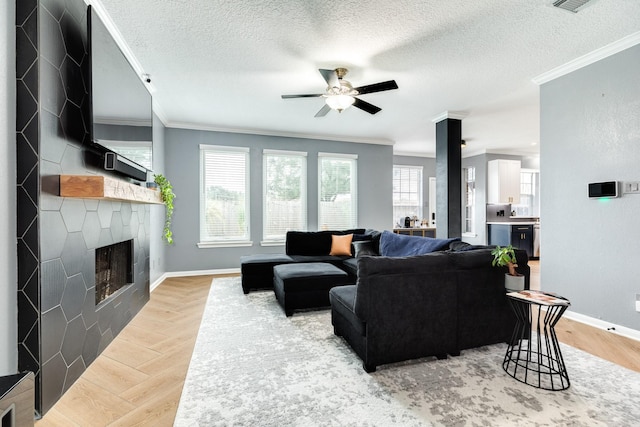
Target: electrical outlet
(631, 187)
(638, 303)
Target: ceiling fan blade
(309, 95)
(323, 111)
(377, 87)
(331, 77)
(365, 106)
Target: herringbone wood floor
(138, 379)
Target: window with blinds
(407, 193)
(224, 195)
(284, 193)
(337, 185)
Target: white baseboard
(601, 324)
(166, 275)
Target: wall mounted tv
(121, 128)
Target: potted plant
(167, 195)
(506, 257)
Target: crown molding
(159, 112)
(458, 115)
(588, 59)
(193, 126)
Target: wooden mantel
(105, 187)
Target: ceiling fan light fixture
(340, 102)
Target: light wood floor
(138, 379)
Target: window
(529, 198)
(285, 193)
(337, 176)
(407, 192)
(469, 225)
(224, 196)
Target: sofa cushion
(341, 245)
(459, 246)
(350, 265)
(343, 300)
(308, 276)
(397, 245)
(313, 242)
(364, 248)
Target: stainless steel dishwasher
(536, 240)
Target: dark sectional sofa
(300, 247)
(396, 308)
(436, 304)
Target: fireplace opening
(114, 269)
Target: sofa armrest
(409, 306)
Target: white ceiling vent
(571, 5)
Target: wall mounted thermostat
(603, 189)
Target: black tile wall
(60, 330)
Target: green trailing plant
(167, 195)
(505, 257)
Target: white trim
(224, 148)
(340, 138)
(339, 155)
(157, 282)
(122, 44)
(223, 244)
(125, 144)
(458, 115)
(284, 152)
(159, 111)
(123, 122)
(272, 243)
(469, 235)
(588, 59)
(414, 154)
(601, 324)
(408, 166)
(168, 275)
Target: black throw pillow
(364, 248)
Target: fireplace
(114, 269)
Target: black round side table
(535, 358)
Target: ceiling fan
(340, 94)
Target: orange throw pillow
(341, 245)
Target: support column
(448, 174)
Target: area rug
(252, 366)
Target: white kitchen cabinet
(504, 181)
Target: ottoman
(257, 270)
(306, 285)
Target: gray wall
(8, 280)
(157, 216)
(590, 132)
(182, 169)
(428, 170)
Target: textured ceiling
(223, 64)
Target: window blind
(337, 182)
(224, 194)
(284, 193)
(407, 192)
